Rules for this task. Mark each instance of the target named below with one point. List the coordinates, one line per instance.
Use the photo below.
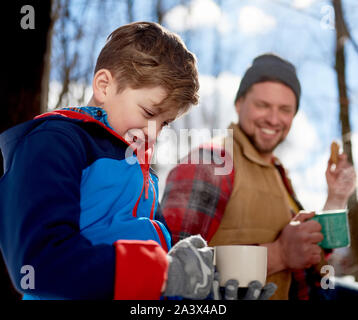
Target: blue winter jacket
(68, 193)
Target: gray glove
(191, 269)
(255, 291)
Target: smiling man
(266, 113)
(255, 204)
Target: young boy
(78, 201)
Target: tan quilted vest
(258, 208)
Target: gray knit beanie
(270, 67)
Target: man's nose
(273, 117)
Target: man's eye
(262, 105)
(286, 110)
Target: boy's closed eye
(148, 112)
(151, 114)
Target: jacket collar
(95, 112)
(143, 156)
(75, 114)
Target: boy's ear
(101, 81)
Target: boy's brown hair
(144, 54)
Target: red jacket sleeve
(140, 270)
(195, 197)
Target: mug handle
(214, 255)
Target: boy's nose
(152, 130)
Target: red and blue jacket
(76, 209)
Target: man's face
(265, 115)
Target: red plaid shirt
(195, 199)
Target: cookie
(334, 152)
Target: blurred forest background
(56, 57)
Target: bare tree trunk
(217, 67)
(130, 10)
(69, 62)
(22, 81)
(341, 36)
(159, 11)
(23, 70)
(47, 61)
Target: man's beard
(256, 144)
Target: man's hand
(297, 242)
(191, 269)
(341, 182)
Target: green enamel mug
(335, 228)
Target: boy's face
(136, 114)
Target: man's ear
(101, 81)
(237, 105)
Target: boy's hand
(255, 290)
(191, 269)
